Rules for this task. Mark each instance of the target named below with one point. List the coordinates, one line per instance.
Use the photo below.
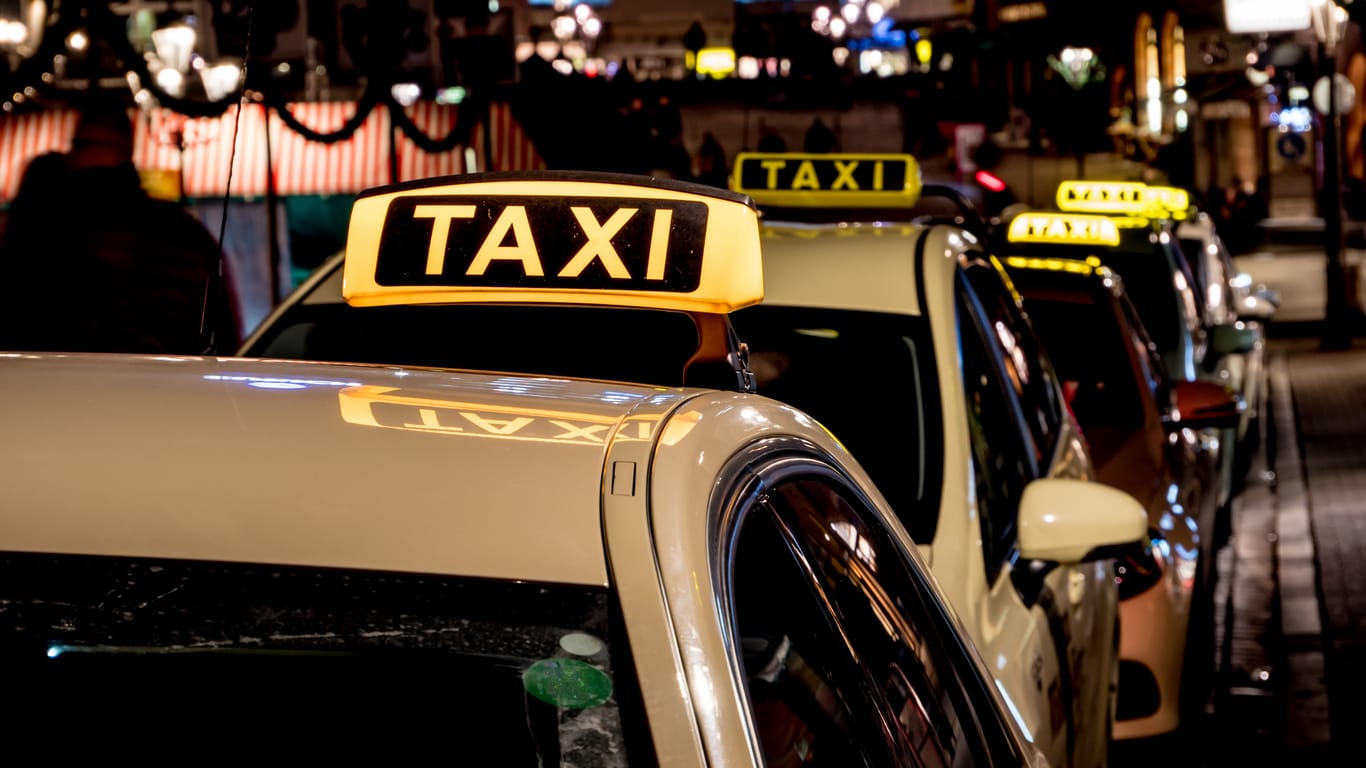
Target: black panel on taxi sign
(835, 180)
(542, 242)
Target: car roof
(856, 266)
(327, 465)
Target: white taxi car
(342, 560)
(1230, 300)
(909, 343)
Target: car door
(1016, 426)
(849, 658)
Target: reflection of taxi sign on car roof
(832, 180)
(554, 238)
(1131, 198)
(392, 408)
(1055, 265)
(1063, 228)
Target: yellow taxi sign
(1174, 201)
(1063, 228)
(827, 180)
(554, 237)
(1128, 197)
(1125, 198)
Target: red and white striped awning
(207, 146)
(301, 167)
(304, 167)
(24, 138)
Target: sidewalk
(1290, 629)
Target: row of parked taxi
(593, 469)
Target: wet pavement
(1287, 638)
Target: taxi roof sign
(827, 180)
(1125, 198)
(1174, 200)
(554, 237)
(1103, 196)
(1063, 228)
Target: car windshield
(1158, 283)
(179, 657)
(824, 360)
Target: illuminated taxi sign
(1070, 229)
(394, 408)
(554, 238)
(1126, 198)
(1103, 196)
(827, 180)
(1174, 201)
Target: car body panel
(205, 423)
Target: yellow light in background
(717, 62)
(924, 51)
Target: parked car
(347, 562)
(907, 342)
(1139, 426)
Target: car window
(810, 357)
(1159, 284)
(1002, 460)
(1026, 366)
(1150, 361)
(823, 589)
(329, 664)
(1081, 330)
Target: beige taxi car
(906, 339)
(229, 557)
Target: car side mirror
(1234, 338)
(1204, 404)
(1073, 521)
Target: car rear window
(180, 661)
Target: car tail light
(991, 181)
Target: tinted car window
(1000, 456)
(1157, 281)
(815, 358)
(1026, 365)
(928, 695)
(1090, 353)
(324, 663)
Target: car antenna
(213, 285)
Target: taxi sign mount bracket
(721, 360)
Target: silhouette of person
(711, 162)
(771, 141)
(819, 138)
(115, 270)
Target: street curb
(1308, 727)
